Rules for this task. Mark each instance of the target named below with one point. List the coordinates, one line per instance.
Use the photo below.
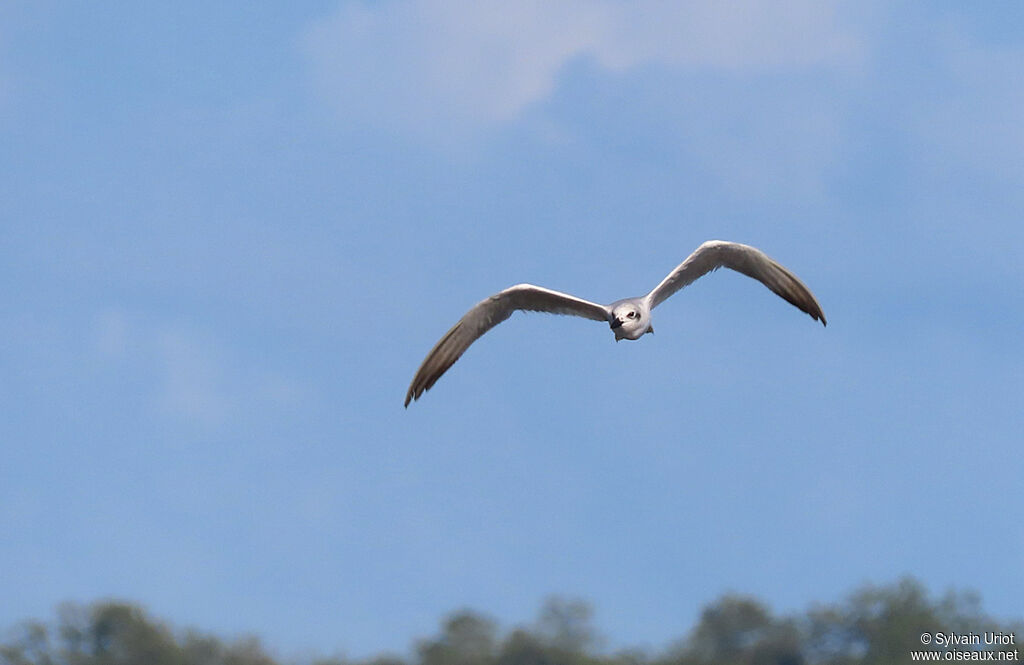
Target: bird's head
(629, 321)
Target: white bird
(629, 318)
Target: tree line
(873, 625)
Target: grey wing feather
(489, 313)
(745, 259)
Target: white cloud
(192, 382)
(742, 34)
(975, 122)
(190, 377)
(443, 65)
(111, 333)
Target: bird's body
(629, 318)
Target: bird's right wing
(489, 313)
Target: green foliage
(881, 625)
(873, 626)
(741, 631)
(466, 639)
(113, 633)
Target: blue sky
(230, 232)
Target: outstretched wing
(489, 313)
(748, 260)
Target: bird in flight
(629, 318)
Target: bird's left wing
(750, 261)
(489, 313)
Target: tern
(629, 318)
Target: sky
(230, 232)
